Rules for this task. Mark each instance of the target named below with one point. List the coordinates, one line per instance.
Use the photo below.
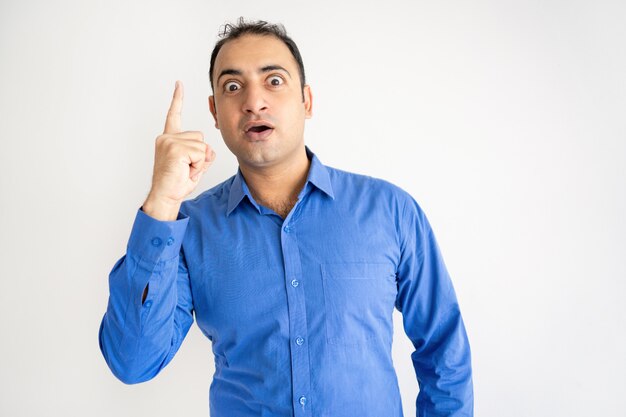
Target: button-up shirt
(299, 310)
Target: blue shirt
(299, 311)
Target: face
(257, 104)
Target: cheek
(227, 118)
(295, 123)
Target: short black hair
(229, 32)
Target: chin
(259, 157)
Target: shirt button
(156, 241)
(148, 304)
(295, 282)
(303, 400)
(287, 229)
(299, 341)
(170, 241)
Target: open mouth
(259, 129)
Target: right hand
(180, 159)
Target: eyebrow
(267, 68)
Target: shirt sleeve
(432, 320)
(139, 339)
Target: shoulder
(381, 189)
(378, 194)
(215, 196)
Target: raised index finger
(172, 122)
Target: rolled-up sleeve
(433, 322)
(139, 338)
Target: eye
(232, 86)
(276, 80)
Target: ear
(213, 110)
(308, 101)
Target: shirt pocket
(359, 299)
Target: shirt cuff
(156, 240)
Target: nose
(254, 101)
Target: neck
(277, 184)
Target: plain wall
(506, 120)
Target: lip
(258, 136)
(254, 123)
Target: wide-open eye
(275, 80)
(231, 86)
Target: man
(291, 268)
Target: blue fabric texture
(299, 311)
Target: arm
(432, 320)
(139, 338)
(150, 305)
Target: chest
(256, 275)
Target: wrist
(163, 209)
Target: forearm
(139, 338)
(445, 372)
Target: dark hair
(230, 32)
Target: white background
(506, 120)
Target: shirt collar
(318, 176)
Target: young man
(291, 268)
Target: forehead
(251, 52)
